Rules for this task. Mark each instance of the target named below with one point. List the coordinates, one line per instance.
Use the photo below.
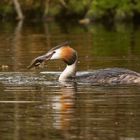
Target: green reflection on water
(98, 46)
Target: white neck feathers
(69, 72)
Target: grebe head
(63, 52)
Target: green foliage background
(92, 9)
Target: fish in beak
(40, 59)
(62, 51)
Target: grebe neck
(69, 72)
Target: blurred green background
(114, 10)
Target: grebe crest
(66, 53)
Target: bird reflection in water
(63, 106)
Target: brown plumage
(69, 55)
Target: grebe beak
(40, 59)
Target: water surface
(36, 106)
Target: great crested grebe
(101, 76)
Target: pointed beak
(40, 59)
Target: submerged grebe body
(101, 76)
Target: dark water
(45, 109)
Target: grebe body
(111, 76)
(101, 76)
